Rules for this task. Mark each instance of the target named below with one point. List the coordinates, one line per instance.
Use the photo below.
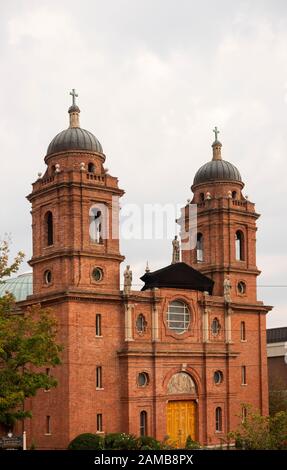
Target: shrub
(120, 441)
(191, 444)
(148, 443)
(87, 441)
(33, 445)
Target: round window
(218, 377)
(97, 274)
(241, 287)
(178, 316)
(143, 379)
(47, 277)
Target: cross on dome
(74, 95)
(215, 130)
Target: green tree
(259, 432)
(277, 395)
(27, 344)
(5, 269)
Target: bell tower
(75, 215)
(226, 227)
(76, 263)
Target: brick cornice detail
(75, 253)
(73, 184)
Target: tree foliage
(27, 344)
(5, 269)
(277, 395)
(259, 432)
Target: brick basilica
(181, 357)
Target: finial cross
(74, 95)
(216, 132)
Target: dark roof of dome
(74, 138)
(74, 109)
(217, 170)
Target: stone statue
(175, 250)
(227, 289)
(128, 277)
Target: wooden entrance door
(181, 421)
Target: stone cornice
(74, 184)
(75, 253)
(78, 295)
(178, 353)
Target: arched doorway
(181, 414)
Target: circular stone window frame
(101, 274)
(218, 377)
(241, 288)
(172, 331)
(145, 375)
(48, 277)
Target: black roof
(178, 276)
(217, 170)
(74, 138)
(277, 335)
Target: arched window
(98, 324)
(218, 419)
(96, 224)
(141, 324)
(143, 423)
(99, 377)
(99, 422)
(234, 194)
(91, 168)
(199, 247)
(49, 235)
(215, 327)
(178, 316)
(243, 414)
(239, 246)
(242, 331)
(243, 375)
(201, 197)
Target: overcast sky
(154, 77)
